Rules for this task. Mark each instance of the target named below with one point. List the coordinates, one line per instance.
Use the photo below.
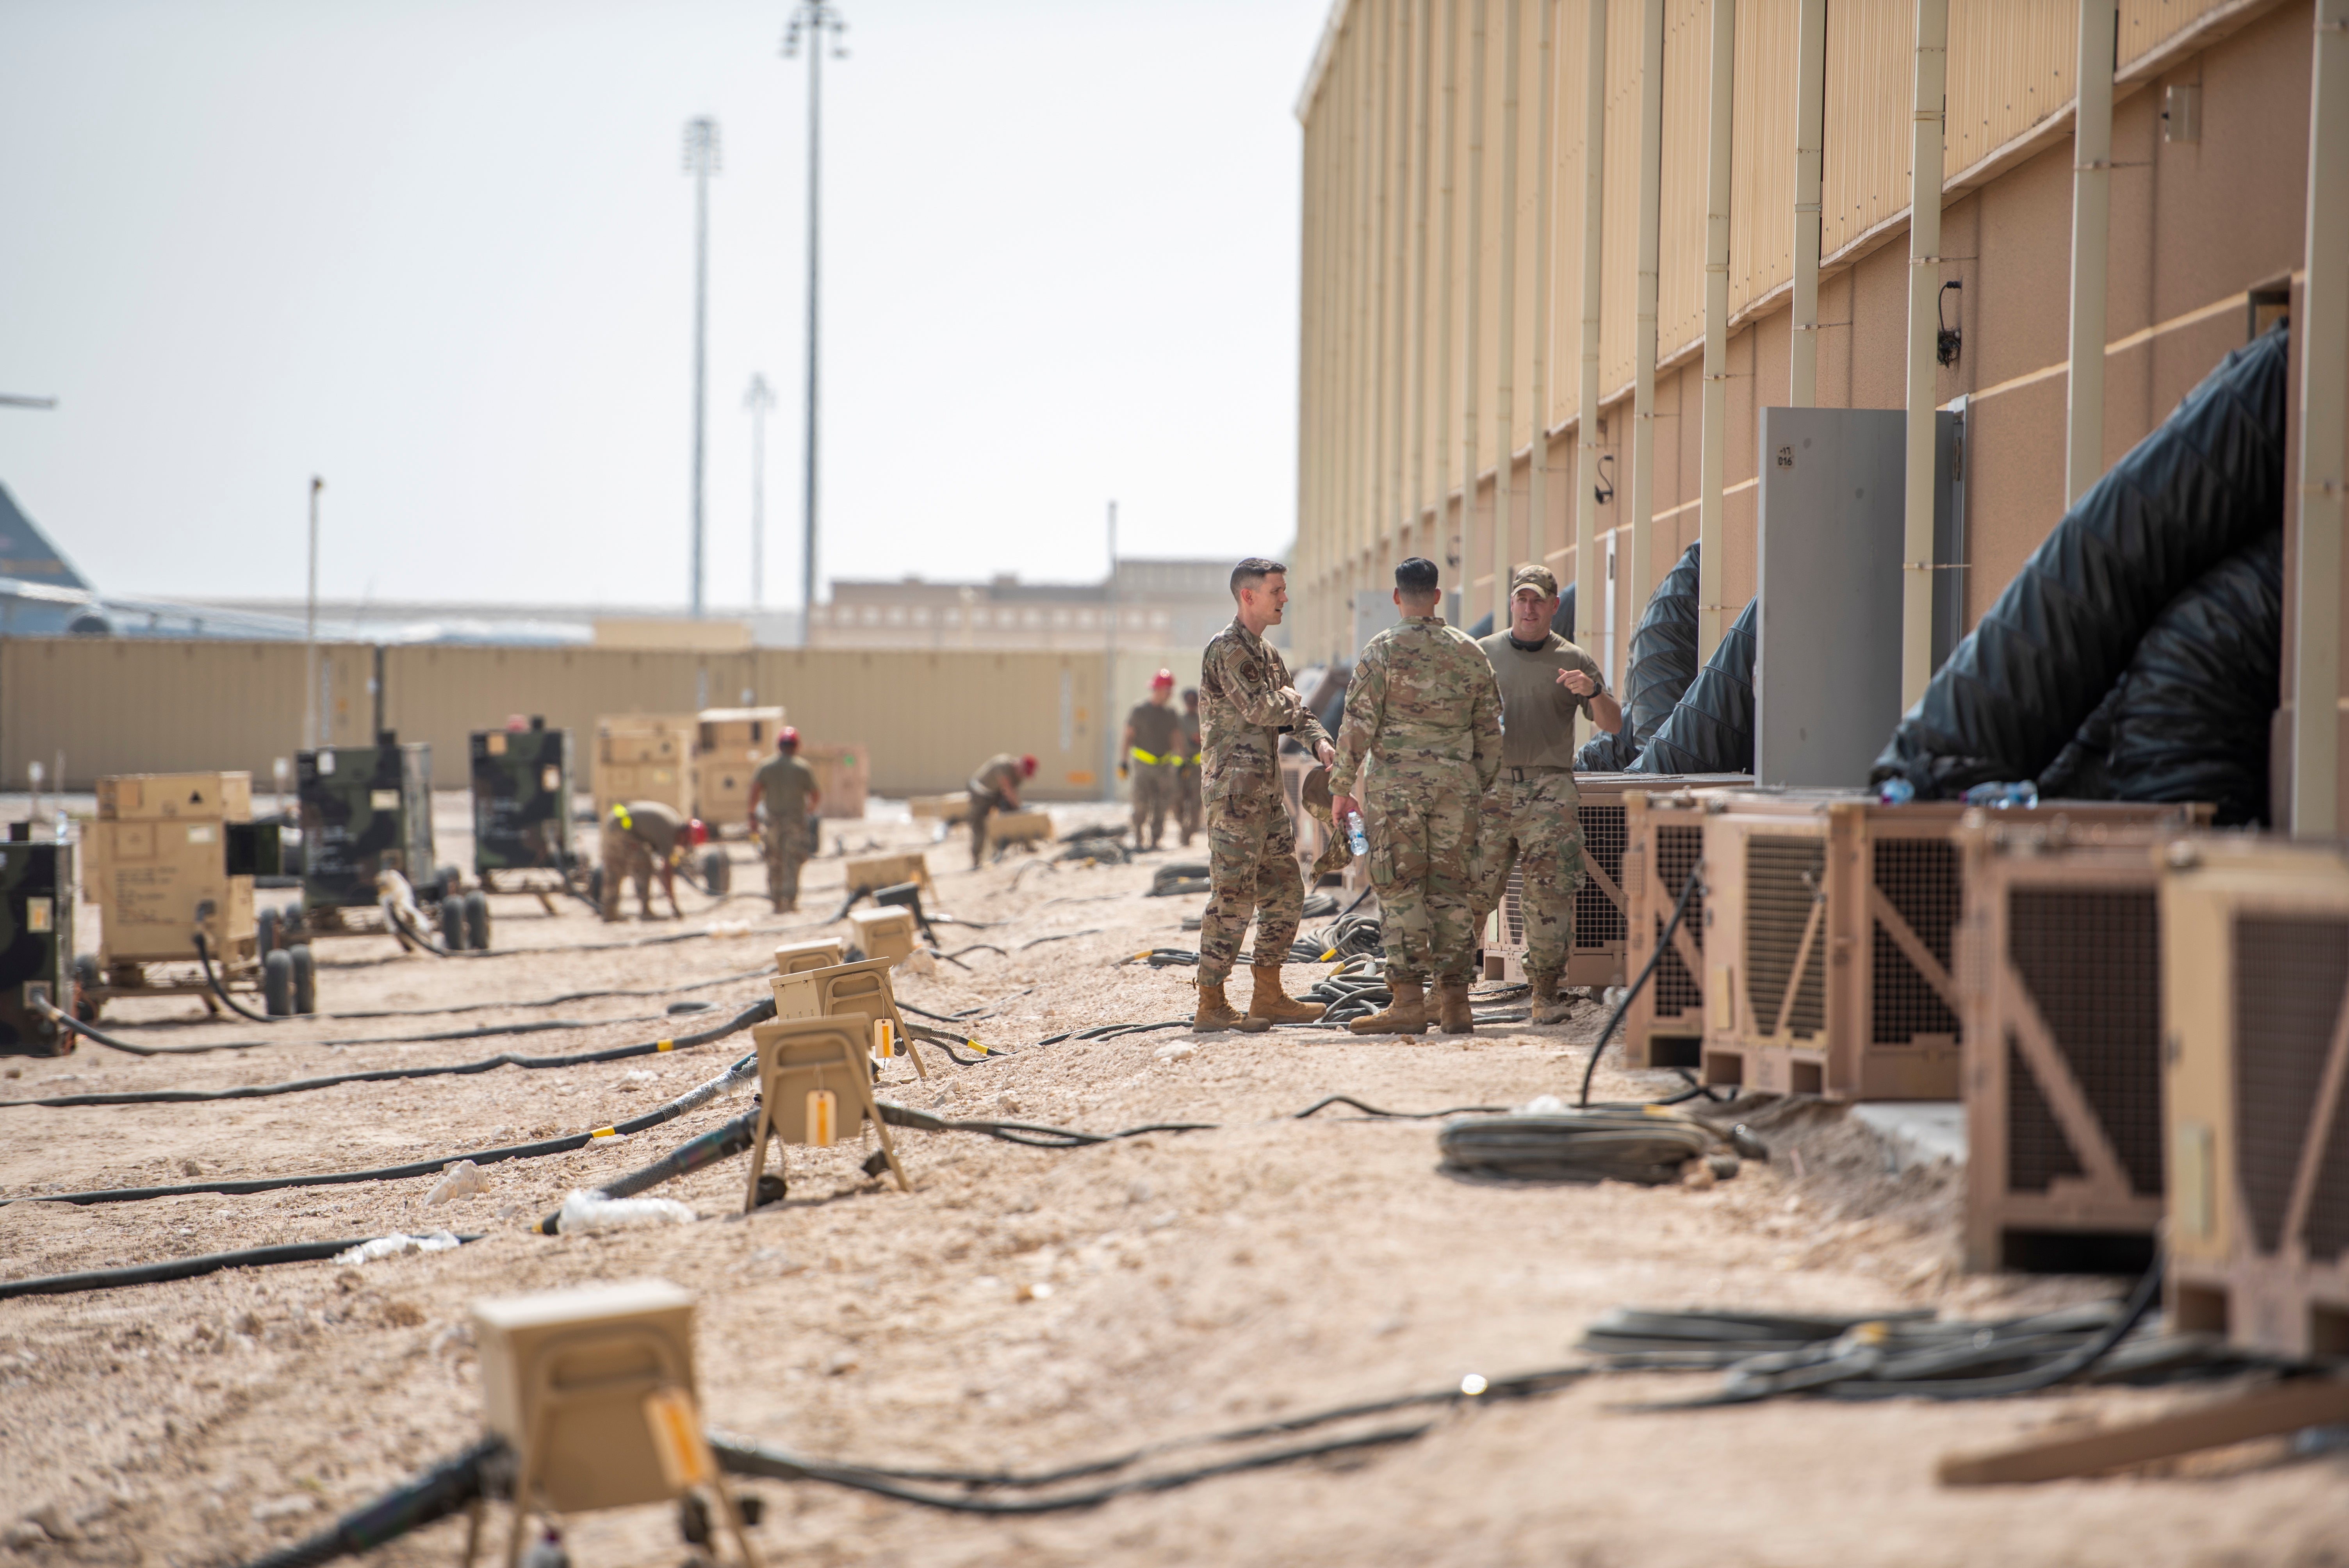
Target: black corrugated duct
(1663, 663)
(2206, 483)
(1710, 729)
(2189, 719)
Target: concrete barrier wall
(139, 706)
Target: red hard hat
(790, 737)
(1163, 678)
(1028, 767)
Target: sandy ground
(1198, 1281)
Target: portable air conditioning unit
(1830, 921)
(2059, 963)
(1600, 926)
(365, 809)
(2255, 1078)
(1664, 834)
(522, 801)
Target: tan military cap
(1533, 574)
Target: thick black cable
(1398, 1115)
(450, 1487)
(543, 1147)
(97, 1035)
(1679, 909)
(204, 958)
(184, 1268)
(718, 1143)
(1035, 1135)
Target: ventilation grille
(1777, 907)
(2290, 975)
(1918, 877)
(1597, 923)
(2091, 959)
(2036, 1150)
(1677, 848)
(1513, 911)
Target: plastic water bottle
(2000, 797)
(1356, 840)
(1895, 791)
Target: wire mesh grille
(1920, 878)
(1513, 909)
(2036, 1150)
(1597, 923)
(1777, 907)
(2091, 959)
(2290, 975)
(1677, 850)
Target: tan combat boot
(1407, 1014)
(1269, 1004)
(1215, 1015)
(1549, 1007)
(1453, 1016)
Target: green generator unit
(522, 804)
(365, 809)
(37, 908)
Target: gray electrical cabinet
(1827, 668)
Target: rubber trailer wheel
(277, 985)
(305, 979)
(452, 925)
(264, 933)
(717, 872)
(595, 885)
(85, 979)
(450, 881)
(477, 921)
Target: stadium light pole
(701, 162)
(310, 631)
(759, 399)
(810, 22)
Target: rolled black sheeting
(2021, 684)
(2189, 719)
(1710, 729)
(1663, 663)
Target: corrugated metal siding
(1688, 58)
(1566, 212)
(2146, 25)
(1865, 168)
(1620, 274)
(1762, 159)
(2012, 63)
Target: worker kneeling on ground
(1154, 748)
(1532, 816)
(1246, 705)
(640, 837)
(788, 788)
(1424, 701)
(995, 788)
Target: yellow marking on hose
(605, 1132)
(664, 1045)
(1326, 956)
(974, 1045)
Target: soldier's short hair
(1248, 574)
(1415, 577)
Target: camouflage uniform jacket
(1422, 699)
(1246, 704)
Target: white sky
(440, 251)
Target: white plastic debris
(919, 962)
(638, 1075)
(393, 1246)
(459, 1179)
(1180, 1051)
(727, 928)
(585, 1212)
(1543, 1104)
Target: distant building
(1158, 604)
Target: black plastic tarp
(1664, 662)
(2189, 719)
(2021, 684)
(1711, 728)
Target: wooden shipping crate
(148, 796)
(2255, 1079)
(643, 757)
(1663, 833)
(729, 745)
(1830, 923)
(1030, 827)
(843, 772)
(159, 852)
(2059, 964)
(954, 808)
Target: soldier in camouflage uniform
(1532, 817)
(788, 787)
(1154, 759)
(1424, 701)
(1187, 808)
(1246, 706)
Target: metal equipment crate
(1663, 841)
(844, 773)
(644, 757)
(729, 745)
(521, 807)
(36, 966)
(365, 809)
(1601, 927)
(169, 855)
(2255, 1079)
(2059, 964)
(1829, 925)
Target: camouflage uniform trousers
(1252, 872)
(1154, 795)
(1186, 802)
(1531, 822)
(1422, 818)
(981, 805)
(626, 856)
(786, 846)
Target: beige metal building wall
(2193, 227)
(136, 706)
